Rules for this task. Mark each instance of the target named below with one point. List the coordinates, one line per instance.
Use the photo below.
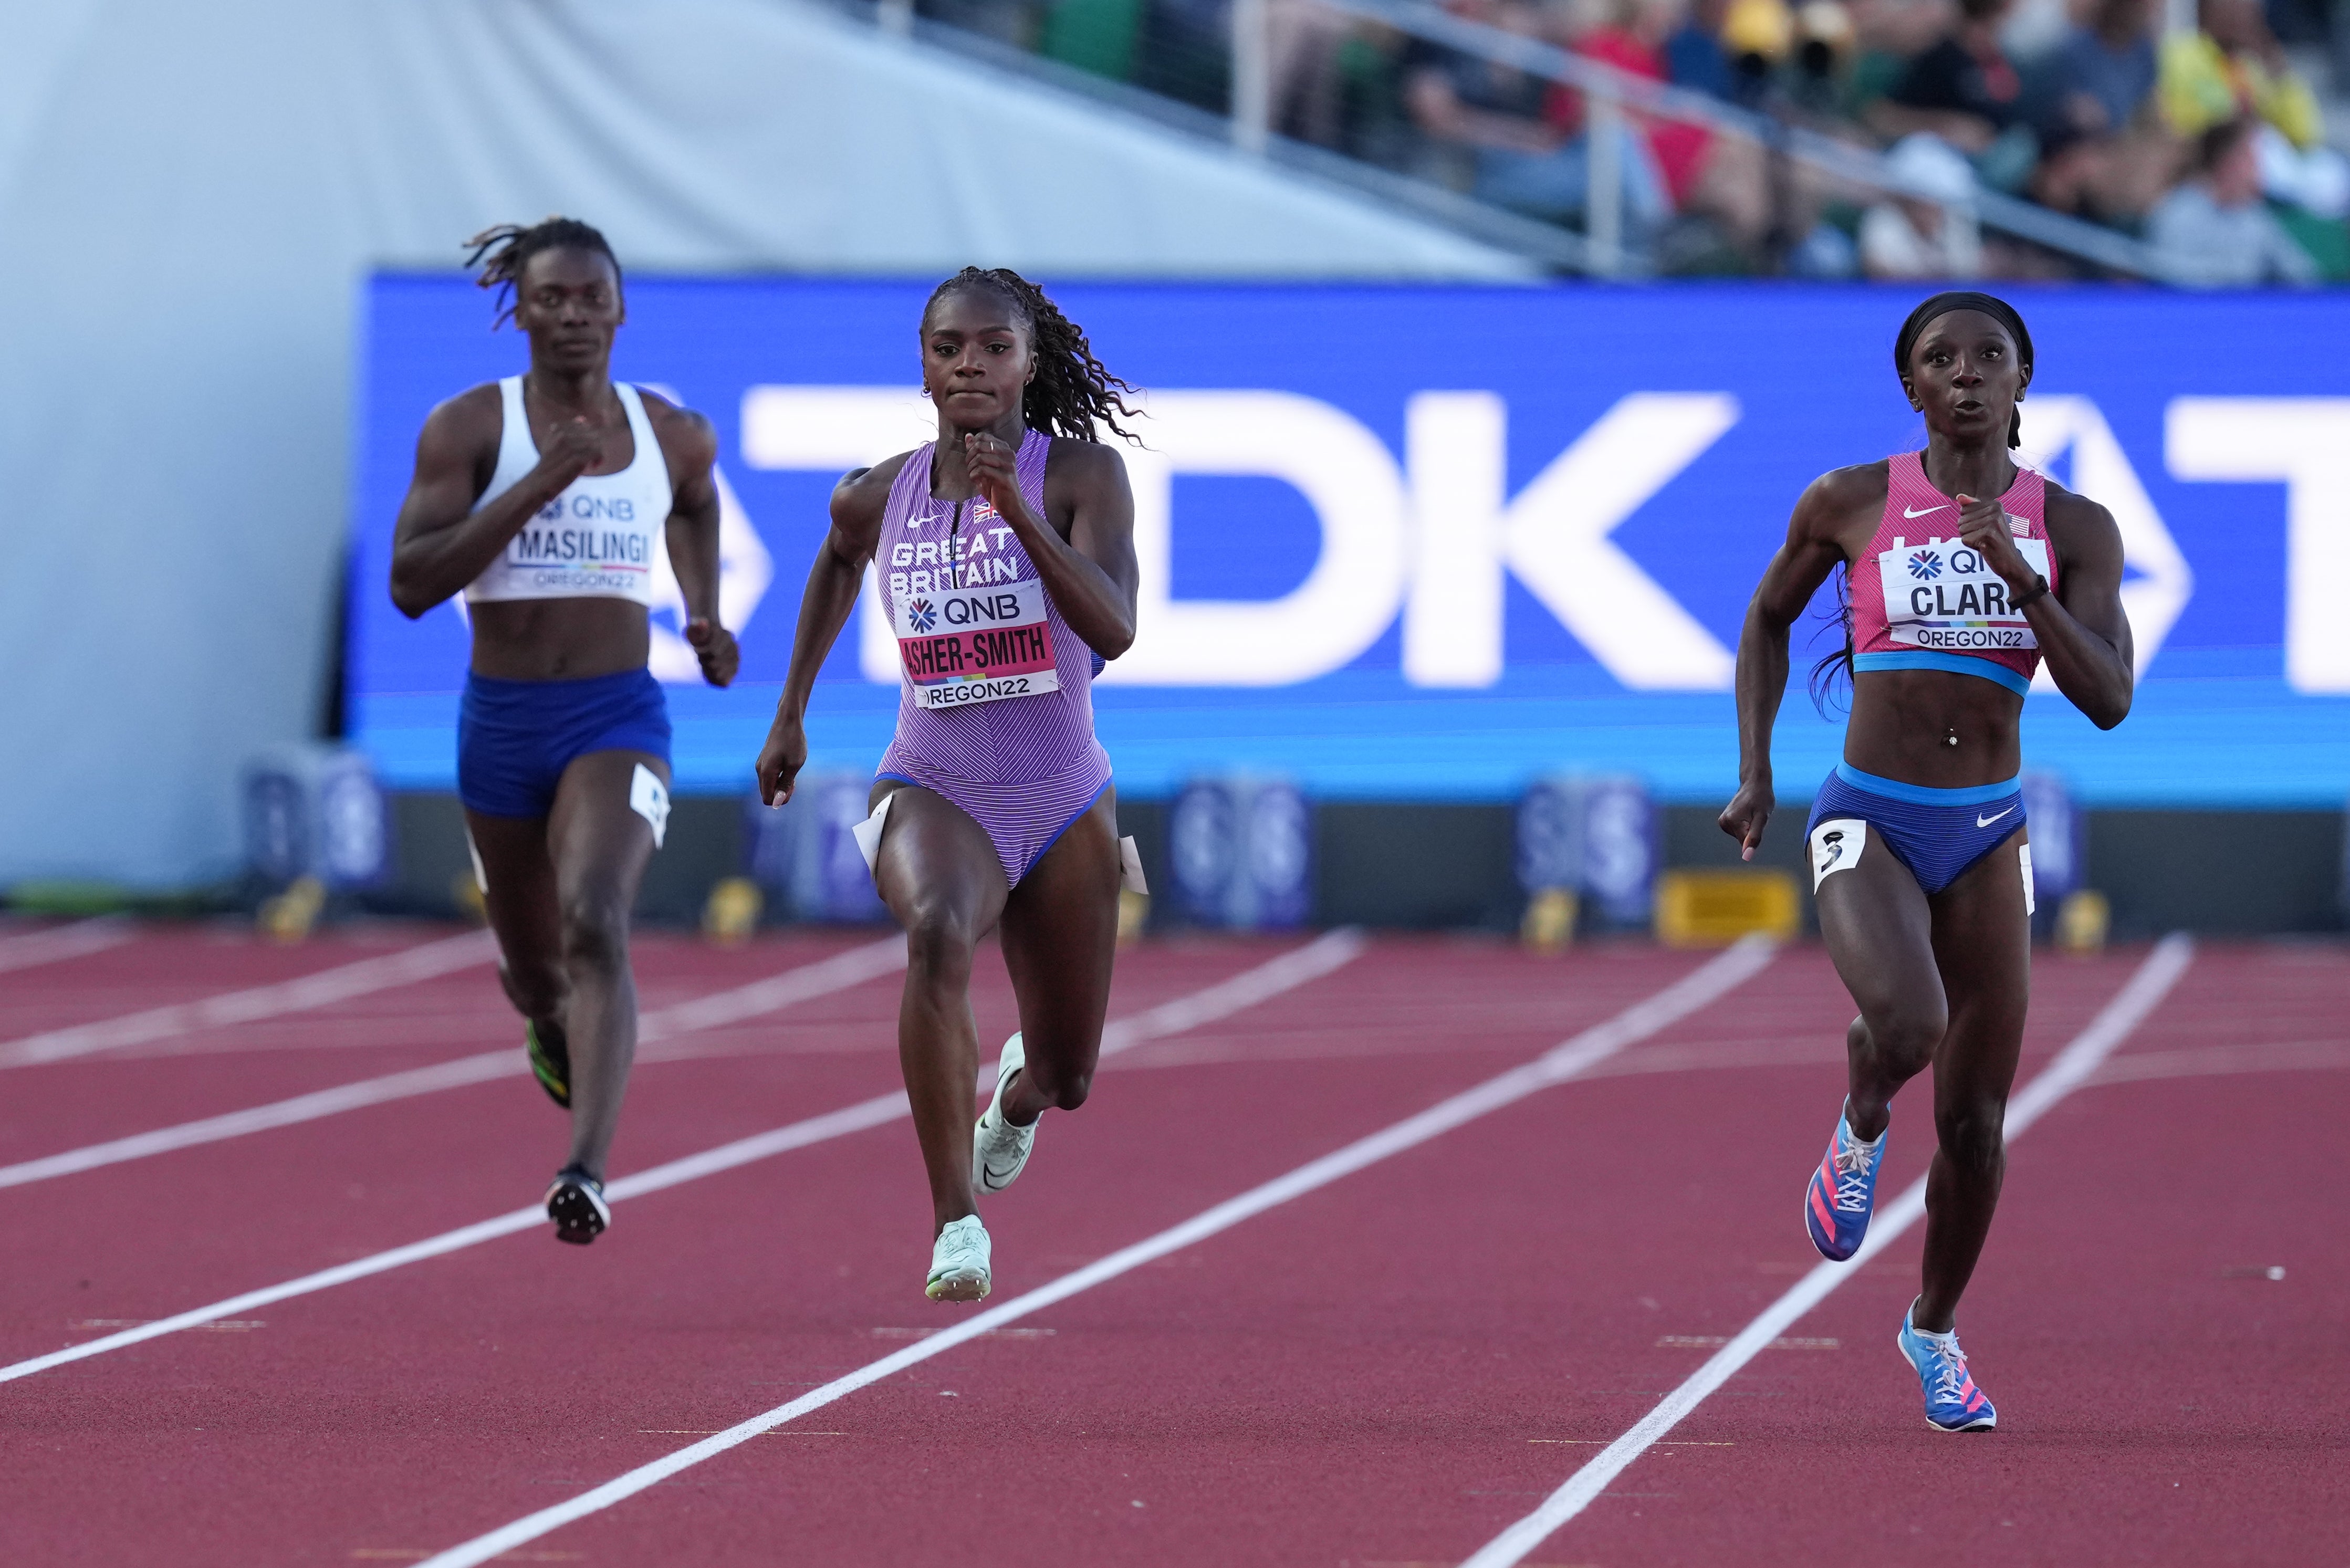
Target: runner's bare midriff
(559, 639)
(1902, 721)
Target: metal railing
(1546, 244)
(1612, 93)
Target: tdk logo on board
(1430, 535)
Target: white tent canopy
(189, 194)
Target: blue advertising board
(1431, 542)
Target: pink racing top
(1922, 600)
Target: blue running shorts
(1939, 834)
(515, 738)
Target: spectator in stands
(1694, 58)
(2234, 67)
(1965, 90)
(1930, 234)
(1756, 35)
(1817, 75)
(2104, 71)
(1720, 178)
(1303, 40)
(2104, 155)
(1464, 102)
(1519, 159)
(1629, 35)
(1889, 35)
(2215, 231)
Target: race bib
(1942, 593)
(648, 798)
(960, 646)
(596, 545)
(1836, 845)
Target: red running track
(50, 1107)
(1386, 1371)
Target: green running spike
(551, 1064)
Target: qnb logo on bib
(1943, 595)
(977, 644)
(587, 508)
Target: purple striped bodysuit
(988, 715)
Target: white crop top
(597, 539)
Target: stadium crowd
(2210, 142)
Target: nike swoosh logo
(1928, 513)
(1982, 821)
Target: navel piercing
(1954, 738)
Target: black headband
(1942, 305)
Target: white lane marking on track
(61, 943)
(2068, 1071)
(838, 973)
(323, 989)
(1810, 1051)
(1716, 977)
(2223, 1061)
(1287, 971)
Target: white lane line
(2222, 1061)
(324, 988)
(2067, 1071)
(669, 1024)
(838, 973)
(61, 943)
(1684, 996)
(1289, 970)
(1328, 952)
(1811, 1051)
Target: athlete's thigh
(519, 897)
(598, 840)
(1060, 936)
(936, 870)
(1983, 942)
(1878, 929)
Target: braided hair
(1836, 667)
(1072, 394)
(503, 252)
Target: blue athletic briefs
(1939, 834)
(515, 738)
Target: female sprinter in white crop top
(544, 497)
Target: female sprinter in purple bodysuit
(994, 802)
(544, 497)
(1917, 849)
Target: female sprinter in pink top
(1963, 572)
(1006, 559)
